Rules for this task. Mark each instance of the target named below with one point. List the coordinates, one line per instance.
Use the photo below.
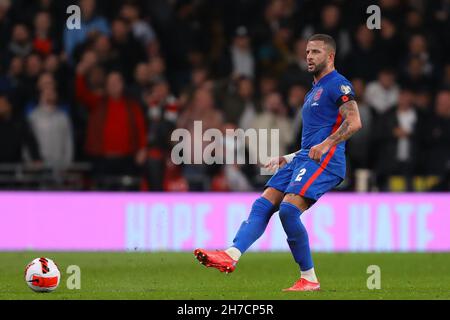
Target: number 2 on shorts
(300, 174)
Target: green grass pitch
(260, 276)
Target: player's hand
(316, 152)
(275, 163)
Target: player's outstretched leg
(248, 233)
(298, 241)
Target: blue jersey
(321, 118)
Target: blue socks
(297, 236)
(254, 226)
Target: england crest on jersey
(345, 89)
(318, 94)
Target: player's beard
(319, 68)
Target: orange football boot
(304, 285)
(216, 259)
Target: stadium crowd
(111, 93)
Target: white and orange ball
(42, 275)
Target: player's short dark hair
(328, 40)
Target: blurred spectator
(183, 35)
(5, 23)
(390, 44)
(382, 94)
(240, 107)
(91, 24)
(273, 117)
(267, 84)
(53, 131)
(297, 70)
(16, 69)
(438, 14)
(5, 83)
(238, 59)
(414, 75)
(330, 24)
(419, 48)
(26, 89)
(295, 99)
(141, 81)
(116, 137)
(414, 22)
(274, 55)
(201, 110)
(235, 55)
(174, 181)
(96, 79)
(157, 68)
(42, 42)
(397, 138)
(359, 147)
(445, 83)
(20, 44)
(33, 66)
(233, 174)
(423, 106)
(423, 101)
(16, 137)
(274, 12)
(10, 82)
(128, 51)
(44, 82)
(63, 75)
(141, 29)
(438, 135)
(360, 62)
(102, 47)
(392, 9)
(199, 78)
(161, 113)
(25, 11)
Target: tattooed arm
(351, 124)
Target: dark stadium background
(66, 152)
(177, 61)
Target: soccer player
(330, 117)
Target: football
(42, 275)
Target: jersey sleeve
(341, 91)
